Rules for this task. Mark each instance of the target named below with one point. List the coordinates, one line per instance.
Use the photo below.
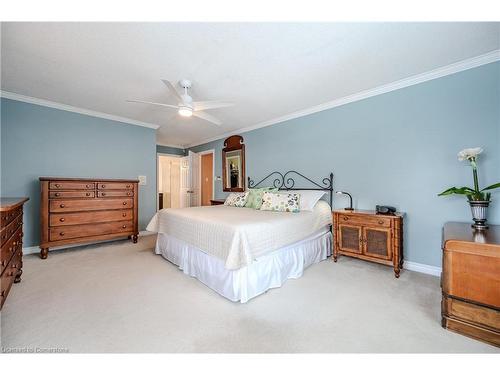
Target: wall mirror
(233, 164)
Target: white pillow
(308, 198)
(236, 199)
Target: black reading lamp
(350, 208)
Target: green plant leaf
(464, 190)
(491, 187)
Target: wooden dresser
(471, 281)
(11, 256)
(369, 236)
(76, 210)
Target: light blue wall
(170, 150)
(39, 141)
(397, 149)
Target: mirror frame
(233, 143)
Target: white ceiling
(268, 69)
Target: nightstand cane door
(377, 242)
(350, 238)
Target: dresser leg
(44, 252)
(129, 237)
(18, 277)
(134, 238)
(335, 258)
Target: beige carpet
(120, 297)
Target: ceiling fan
(186, 107)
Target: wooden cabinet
(85, 210)
(369, 236)
(11, 253)
(471, 281)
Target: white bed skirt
(266, 272)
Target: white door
(190, 180)
(185, 189)
(194, 177)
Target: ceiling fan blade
(153, 103)
(206, 116)
(212, 104)
(172, 90)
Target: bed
(242, 252)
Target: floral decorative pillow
(254, 199)
(284, 202)
(236, 199)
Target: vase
(479, 211)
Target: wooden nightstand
(369, 236)
(216, 202)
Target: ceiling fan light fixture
(185, 111)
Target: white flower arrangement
(469, 153)
(473, 194)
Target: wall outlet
(142, 180)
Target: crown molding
(171, 145)
(69, 108)
(396, 85)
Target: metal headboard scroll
(286, 181)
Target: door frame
(158, 154)
(211, 151)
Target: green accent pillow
(254, 199)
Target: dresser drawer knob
(87, 186)
(87, 194)
(103, 186)
(124, 203)
(380, 222)
(57, 185)
(14, 266)
(58, 194)
(62, 205)
(128, 186)
(61, 233)
(346, 218)
(124, 214)
(103, 194)
(124, 226)
(61, 220)
(14, 243)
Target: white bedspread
(239, 235)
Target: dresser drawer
(10, 247)
(69, 205)
(7, 216)
(71, 185)
(76, 231)
(115, 186)
(9, 230)
(115, 193)
(6, 281)
(376, 221)
(90, 217)
(71, 194)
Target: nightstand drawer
(373, 220)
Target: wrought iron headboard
(286, 181)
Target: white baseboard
(422, 268)
(36, 249)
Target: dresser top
(86, 179)
(7, 204)
(463, 232)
